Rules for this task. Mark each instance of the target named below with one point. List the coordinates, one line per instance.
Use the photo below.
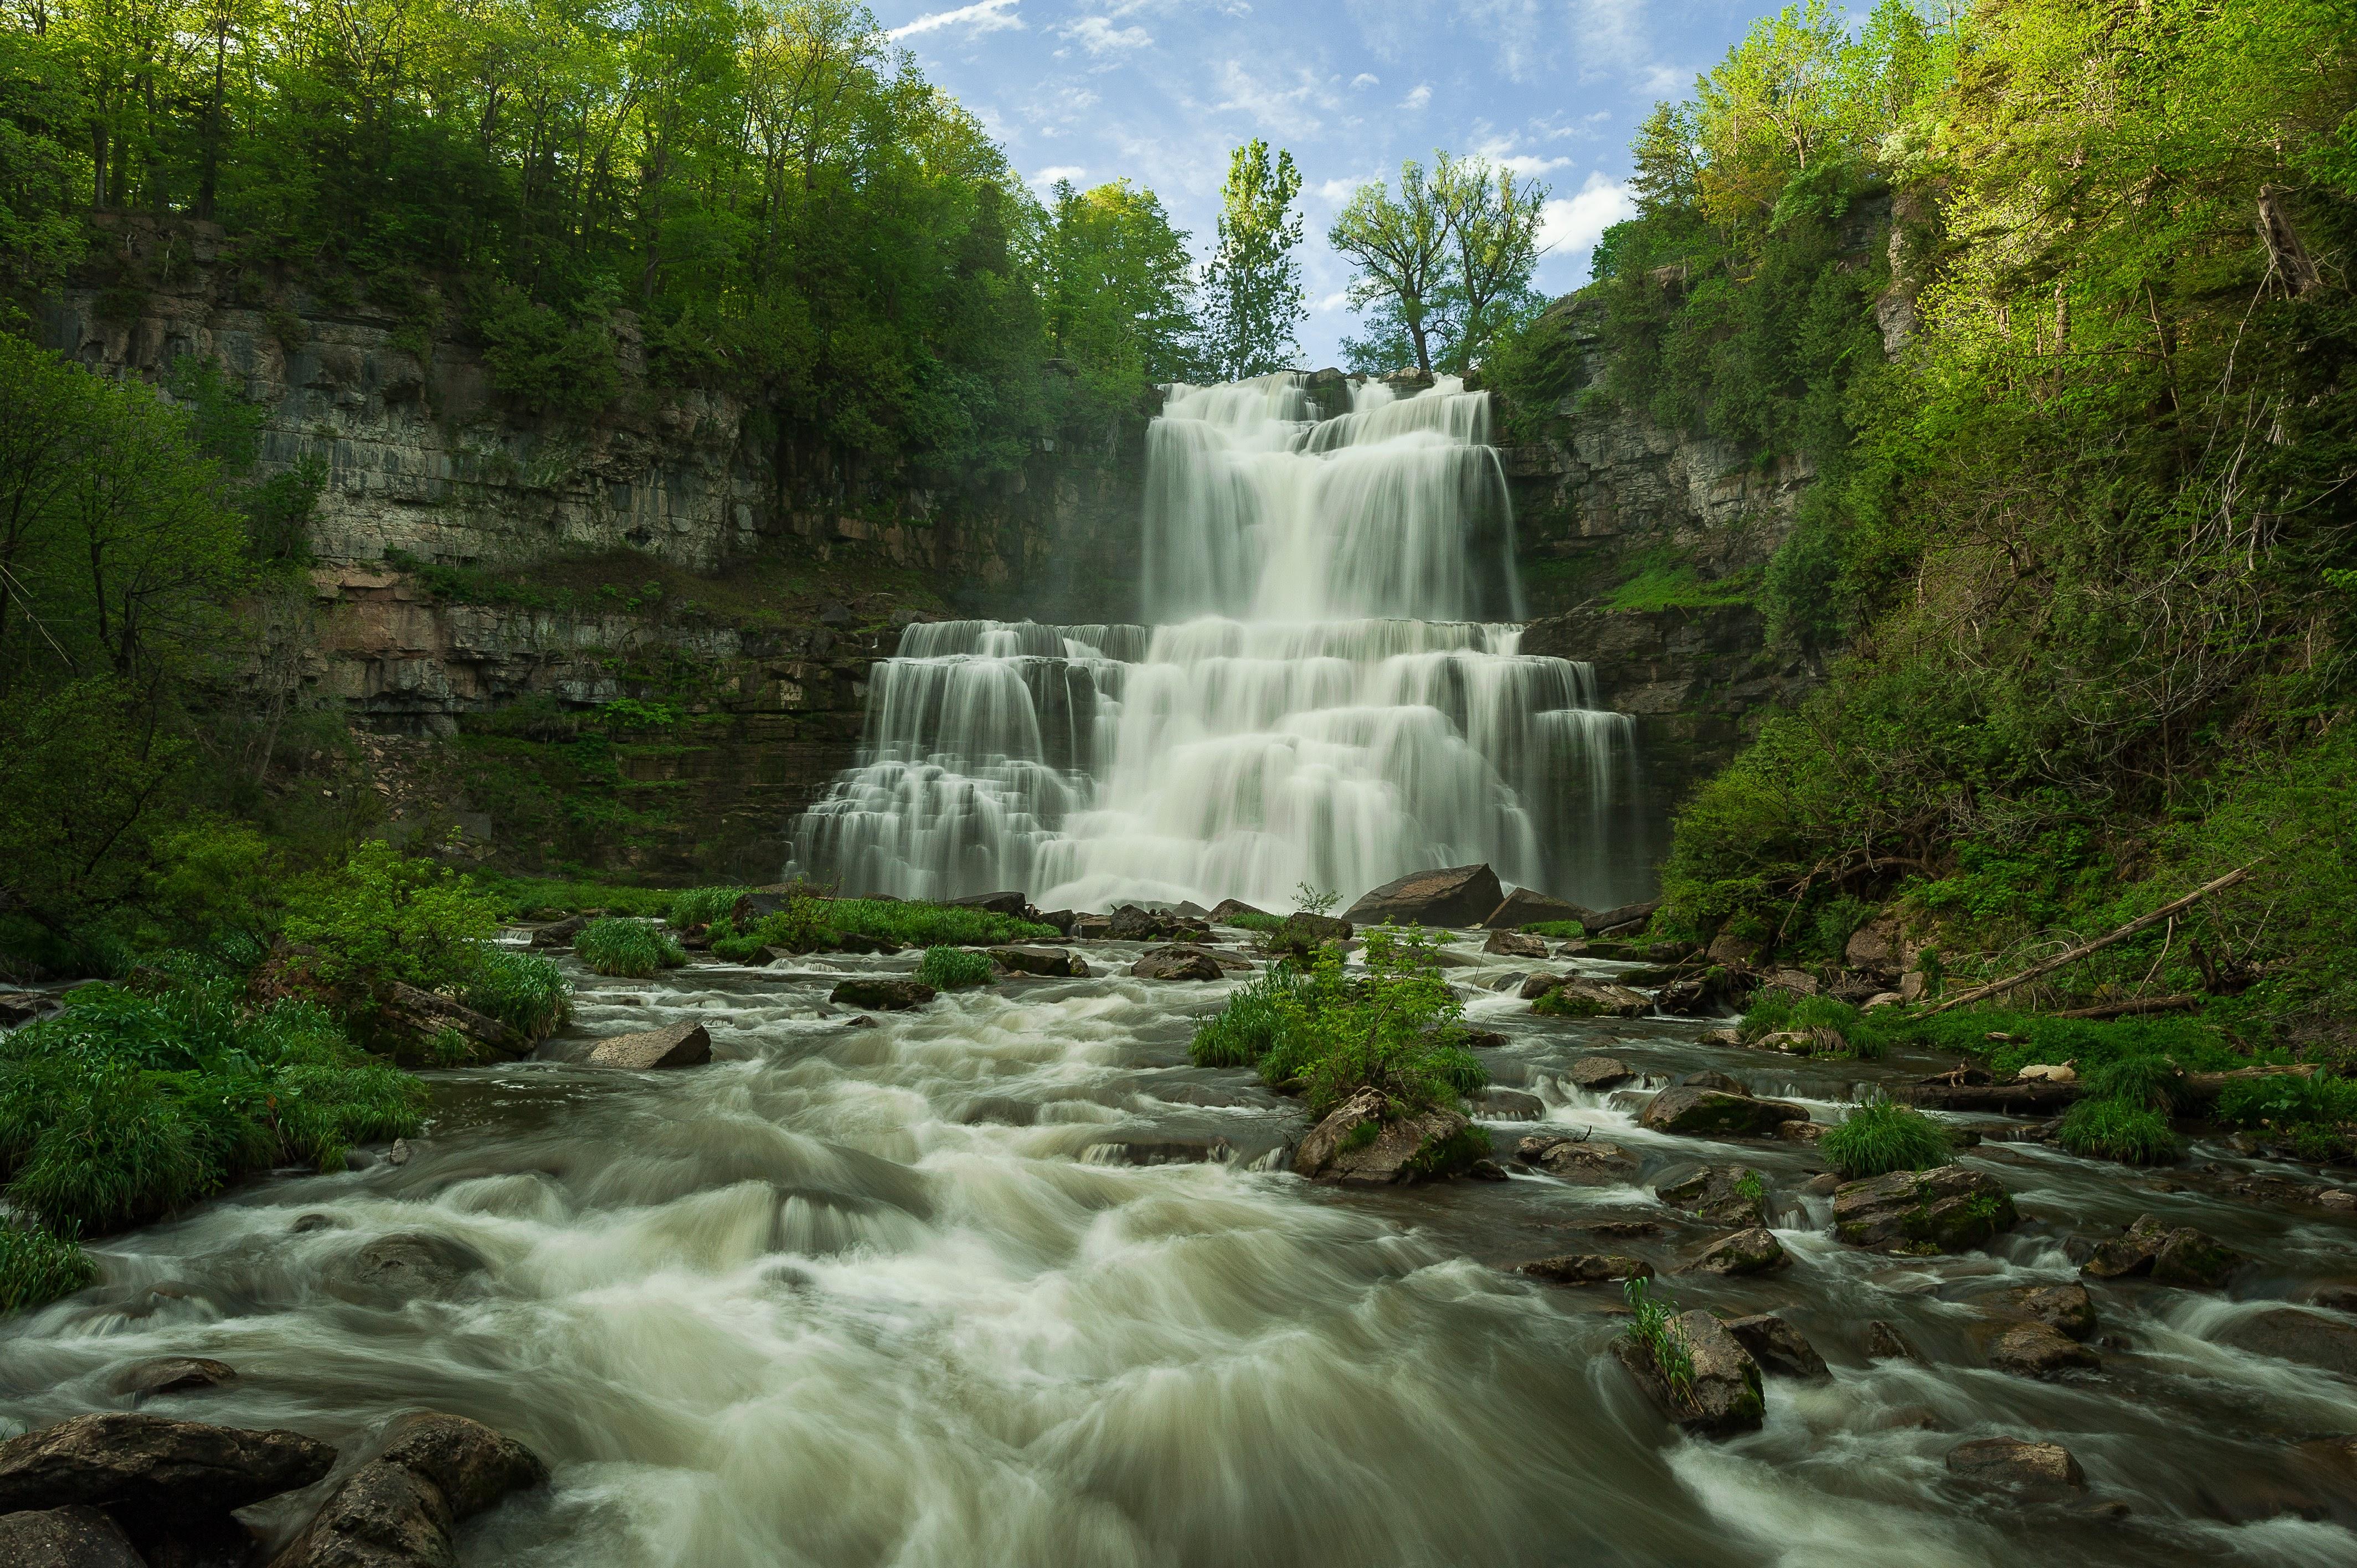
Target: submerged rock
(1777, 1345)
(1885, 1343)
(407, 1266)
(1724, 1396)
(2040, 1472)
(675, 1045)
(1946, 1210)
(73, 1537)
(1715, 1113)
(398, 1510)
(2290, 1334)
(1507, 1105)
(1752, 1252)
(2069, 1308)
(175, 1375)
(882, 994)
(1356, 1145)
(1588, 1269)
(155, 1475)
(1459, 896)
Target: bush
(811, 924)
(2117, 1130)
(2149, 1082)
(1878, 1136)
(524, 991)
(383, 918)
(954, 969)
(523, 897)
(702, 906)
(1562, 930)
(37, 1267)
(633, 950)
(2287, 1102)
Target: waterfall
(1329, 692)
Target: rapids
(898, 1294)
(1331, 691)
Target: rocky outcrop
(1722, 1397)
(1947, 1209)
(1358, 1145)
(1460, 896)
(1714, 1113)
(2170, 1255)
(1723, 1195)
(399, 1510)
(2035, 1349)
(1566, 997)
(1178, 963)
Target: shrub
(2287, 1100)
(1562, 930)
(383, 918)
(809, 923)
(2117, 1130)
(633, 950)
(1395, 1030)
(954, 969)
(702, 906)
(2149, 1082)
(1880, 1136)
(1240, 1033)
(524, 991)
(37, 1267)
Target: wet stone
(1597, 1073)
(676, 1044)
(74, 1537)
(1777, 1345)
(1588, 1161)
(1723, 1195)
(1752, 1252)
(1514, 944)
(1708, 1078)
(2034, 1349)
(1715, 1113)
(395, 1269)
(1177, 964)
(1357, 1145)
(2173, 1255)
(2289, 1333)
(1050, 962)
(1725, 1396)
(1507, 1105)
(883, 995)
(1946, 1210)
(2068, 1307)
(1588, 1269)
(1885, 1343)
(2040, 1472)
(175, 1375)
(155, 1473)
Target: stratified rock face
(1724, 1398)
(1948, 1209)
(74, 1537)
(398, 1510)
(1356, 1146)
(2040, 1472)
(152, 1473)
(1459, 896)
(675, 1045)
(883, 995)
(1699, 1113)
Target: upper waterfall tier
(1255, 508)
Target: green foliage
(636, 949)
(810, 923)
(383, 918)
(525, 897)
(1242, 1033)
(38, 1266)
(954, 969)
(539, 359)
(2289, 1103)
(1775, 1009)
(1308, 900)
(1254, 920)
(132, 1102)
(1560, 930)
(1750, 1187)
(1117, 288)
(1664, 583)
(1880, 1136)
(2148, 1082)
(524, 991)
(1253, 303)
(1653, 1325)
(2117, 1130)
(702, 906)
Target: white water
(1323, 700)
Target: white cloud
(1420, 95)
(1100, 37)
(1338, 300)
(1279, 110)
(1577, 223)
(1047, 176)
(1337, 191)
(982, 17)
(1365, 78)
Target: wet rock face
(1724, 1397)
(2068, 1308)
(1356, 1146)
(1885, 1343)
(1590, 1162)
(1697, 1112)
(1178, 963)
(1588, 1269)
(883, 995)
(1947, 1209)
(1595, 1073)
(1457, 895)
(1752, 1252)
(2171, 1255)
(155, 1475)
(398, 1510)
(676, 1044)
(2035, 1349)
(74, 1537)
(2040, 1472)
(1723, 1195)
(1777, 1345)
(2289, 1333)
(1514, 944)
(1570, 998)
(1131, 924)
(1053, 963)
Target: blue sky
(1160, 89)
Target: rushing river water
(894, 1293)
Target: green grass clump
(1562, 930)
(521, 897)
(1240, 1033)
(2148, 1081)
(811, 924)
(634, 950)
(37, 1267)
(1777, 1011)
(954, 969)
(2287, 1100)
(1880, 1136)
(1654, 1325)
(702, 906)
(1254, 920)
(524, 991)
(2117, 1130)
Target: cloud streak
(982, 17)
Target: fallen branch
(2043, 1097)
(2141, 923)
(2126, 1009)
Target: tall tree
(1401, 248)
(1492, 221)
(1253, 299)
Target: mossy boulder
(1951, 1209)
(1722, 1398)
(1358, 1145)
(1696, 1111)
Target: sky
(1161, 91)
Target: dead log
(2044, 1097)
(2047, 966)
(2129, 1009)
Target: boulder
(1752, 1252)
(1011, 904)
(1178, 963)
(175, 1375)
(1524, 908)
(1588, 1269)
(155, 1475)
(399, 1510)
(1534, 986)
(1945, 1210)
(674, 1045)
(1457, 895)
(2040, 1472)
(1481, 1039)
(2171, 1255)
(1131, 924)
(1507, 1105)
(2289, 1333)
(1514, 944)
(1090, 928)
(73, 1537)
(1595, 1073)
(1590, 1162)
(2068, 1308)
(1706, 1078)
(1885, 1343)
(424, 1016)
(1716, 1193)
(1356, 1145)
(1724, 1397)
(1873, 947)
(1572, 998)
(21, 1007)
(1735, 953)
(1715, 1113)
(1800, 1132)
(885, 995)
(860, 944)
(1225, 911)
(1625, 919)
(1777, 1345)
(1061, 963)
(1302, 929)
(561, 933)
(2034, 1349)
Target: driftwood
(2047, 966)
(2043, 1097)
(2128, 1009)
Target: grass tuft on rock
(632, 950)
(1880, 1136)
(702, 906)
(526, 992)
(2118, 1130)
(954, 969)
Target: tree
(1252, 286)
(1116, 287)
(1402, 251)
(1492, 220)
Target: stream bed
(960, 1286)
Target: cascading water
(1321, 700)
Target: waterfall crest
(1319, 700)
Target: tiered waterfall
(1329, 692)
